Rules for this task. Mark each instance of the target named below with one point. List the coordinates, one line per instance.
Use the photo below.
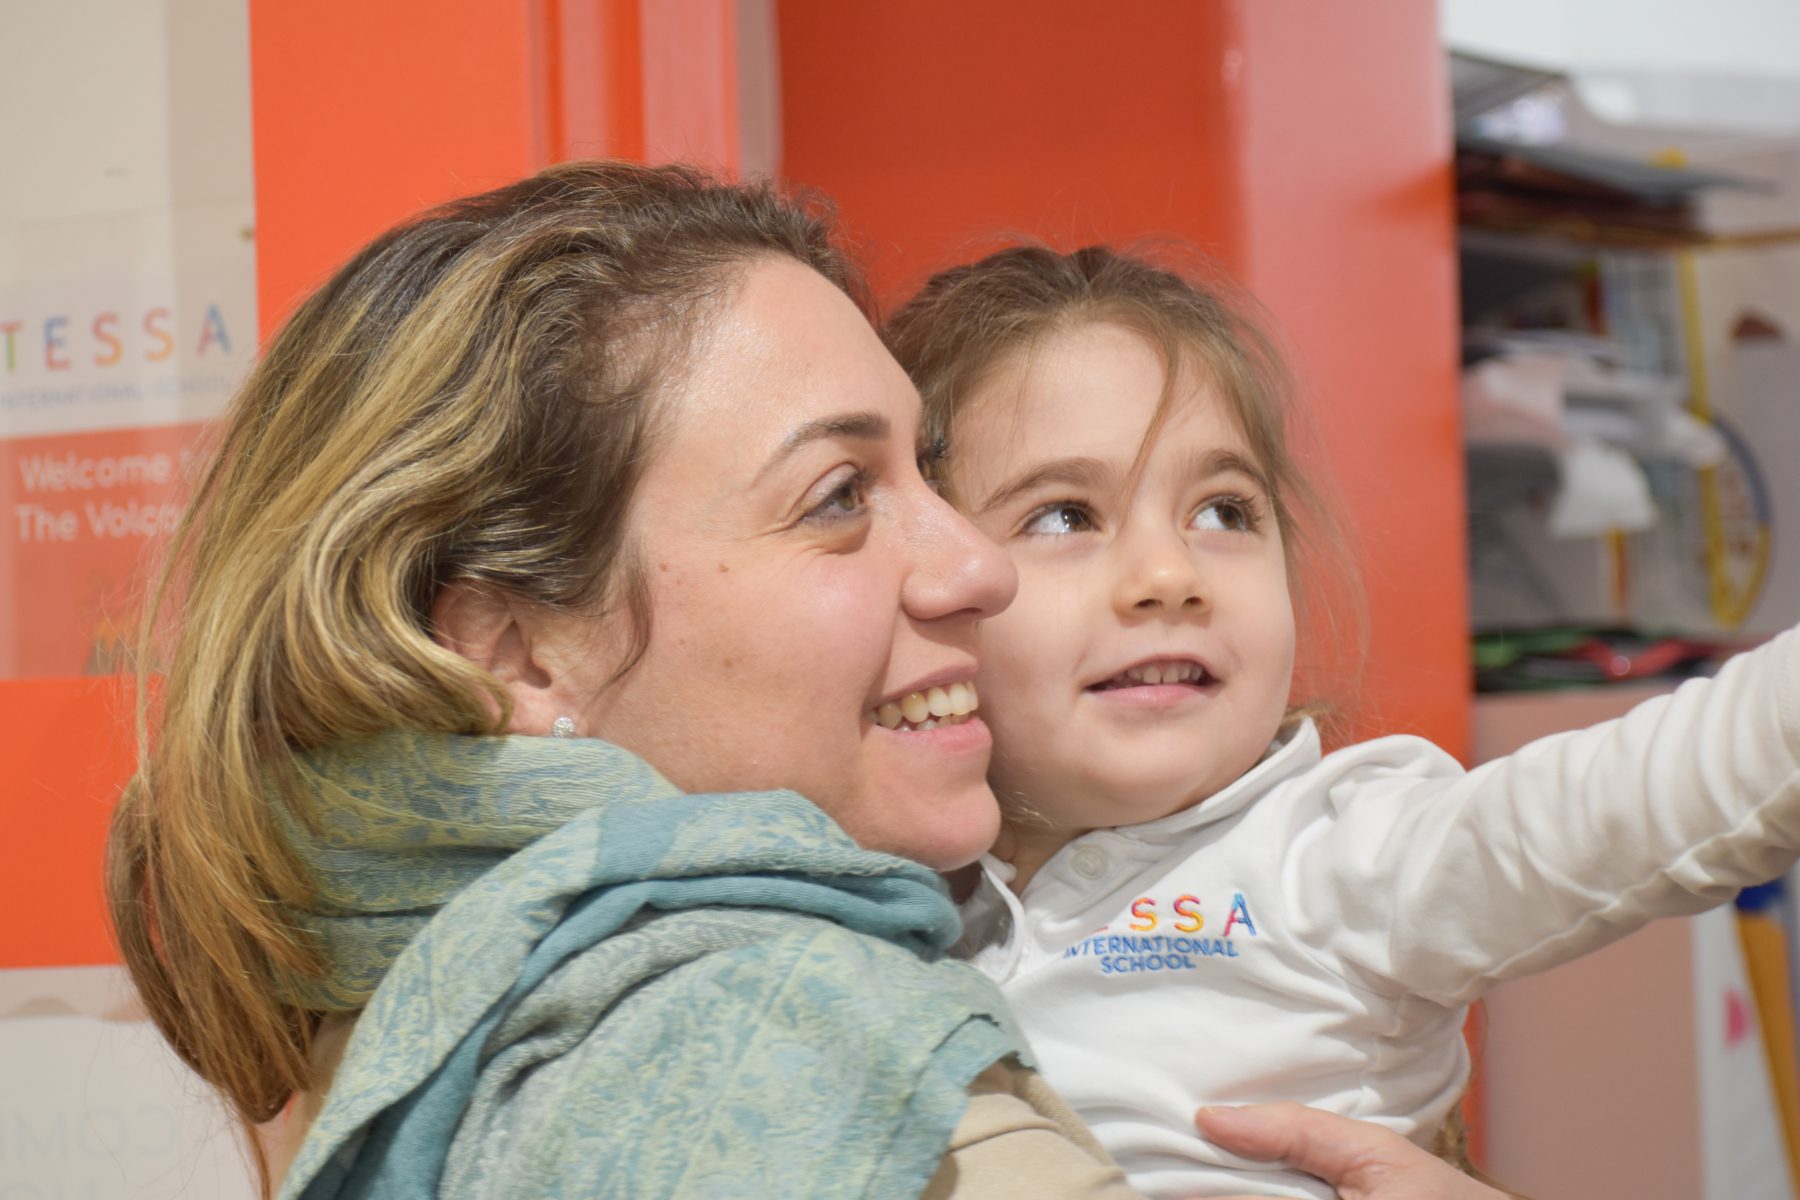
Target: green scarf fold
(405, 821)
(581, 982)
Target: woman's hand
(1362, 1161)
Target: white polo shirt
(1315, 931)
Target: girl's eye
(1054, 520)
(1227, 514)
(846, 501)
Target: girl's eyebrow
(1209, 464)
(1079, 472)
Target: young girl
(1190, 903)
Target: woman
(607, 454)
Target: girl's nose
(1156, 574)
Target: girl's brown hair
(972, 320)
(471, 398)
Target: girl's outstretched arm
(1437, 883)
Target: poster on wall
(127, 302)
(120, 335)
(127, 317)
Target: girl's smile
(1158, 683)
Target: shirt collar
(1292, 753)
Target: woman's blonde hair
(471, 398)
(971, 320)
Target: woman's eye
(1227, 514)
(1057, 519)
(847, 499)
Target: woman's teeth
(930, 708)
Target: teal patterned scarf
(580, 982)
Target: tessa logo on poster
(1167, 933)
(61, 341)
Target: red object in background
(1347, 180)
(366, 114)
(66, 751)
(363, 114)
(937, 124)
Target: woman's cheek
(846, 614)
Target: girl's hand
(1362, 1161)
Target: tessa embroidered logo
(1182, 949)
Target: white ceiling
(1726, 66)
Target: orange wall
(1307, 146)
(1345, 169)
(365, 113)
(65, 752)
(936, 122)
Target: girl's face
(804, 578)
(1147, 660)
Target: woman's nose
(1156, 574)
(956, 570)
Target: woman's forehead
(786, 352)
(785, 366)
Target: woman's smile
(928, 707)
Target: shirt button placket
(1089, 862)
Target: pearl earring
(563, 727)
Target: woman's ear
(496, 633)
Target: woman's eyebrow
(1080, 472)
(866, 426)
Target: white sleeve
(1437, 883)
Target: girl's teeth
(1174, 672)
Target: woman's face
(803, 576)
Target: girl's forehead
(1090, 386)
